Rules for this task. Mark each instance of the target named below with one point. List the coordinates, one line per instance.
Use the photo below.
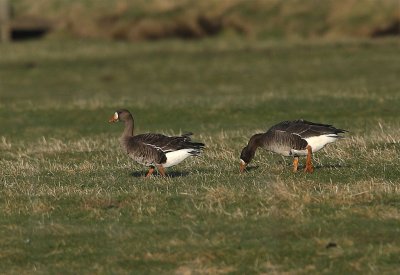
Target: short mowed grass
(72, 202)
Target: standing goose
(292, 138)
(154, 150)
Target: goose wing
(279, 140)
(306, 129)
(169, 144)
(145, 153)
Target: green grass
(72, 202)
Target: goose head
(249, 151)
(246, 156)
(120, 115)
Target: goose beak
(242, 166)
(114, 118)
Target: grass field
(72, 202)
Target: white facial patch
(242, 162)
(115, 116)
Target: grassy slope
(71, 201)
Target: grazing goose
(155, 150)
(292, 138)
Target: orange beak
(114, 118)
(242, 166)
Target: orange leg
(309, 167)
(161, 170)
(295, 164)
(151, 170)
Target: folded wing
(306, 129)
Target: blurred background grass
(256, 19)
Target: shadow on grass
(335, 166)
(171, 174)
(302, 167)
(318, 166)
(323, 166)
(251, 168)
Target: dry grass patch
(201, 265)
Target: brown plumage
(292, 138)
(154, 150)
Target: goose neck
(129, 126)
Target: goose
(154, 150)
(292, 138)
